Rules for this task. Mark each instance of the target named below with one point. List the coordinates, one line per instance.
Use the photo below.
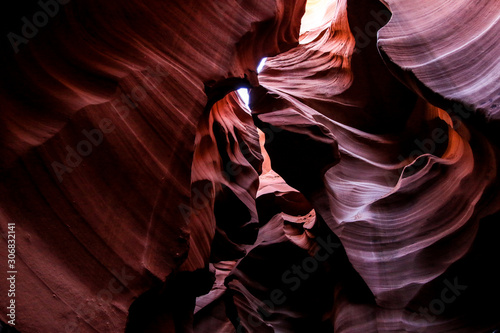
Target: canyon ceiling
(358, 191)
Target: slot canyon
(250, 166)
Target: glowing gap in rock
(319, 13)
(243, 92)
(261, 65)
(245, 97)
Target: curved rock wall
(359, 194)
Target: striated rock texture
(357, 193)
(451, 47)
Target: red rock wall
(141, 193)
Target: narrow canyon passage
(250, 166)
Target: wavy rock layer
(101, 111)
(451, 46)
(146, 199)
(412, 183)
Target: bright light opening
(245, 97)
(243, 92)
(261, 65)
(319, 13)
